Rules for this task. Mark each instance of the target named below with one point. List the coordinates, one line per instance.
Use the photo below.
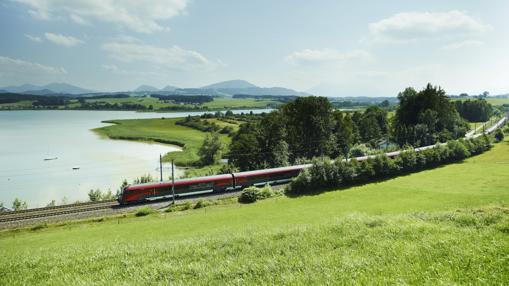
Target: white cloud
(9, 64)
(134, 51)
(16, 71)
(463, 44)
(411, 26)
(141, 15)
(78, 20)
(66, 41)
(34, 38)
(326, 56)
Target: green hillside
(448, 225)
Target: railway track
(89, 207)
(56, 211)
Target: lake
(28, 137)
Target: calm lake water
(28, 137)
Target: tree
(95, 196)
(474, 110)
(18, 205)
(343, 133)
(245, 148)
(143, 179)
(52, 203)
(121, 188)
(108, 196)
(272, 136)
(211, 150)
(372, 124)
(309, 126)
(426, 116)
(280, 154)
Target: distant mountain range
(225, 88)
(49, 89)
(230, 84)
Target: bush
(324, 174)
(408, 160)
(202, 203)
(95, 196)
(252, 194)
(359, 150)
(499, 135)
(187, 205)
(457, 150)
(248, 195)
(18, 205)
(39, 226)
(144, 211)
(383, 166)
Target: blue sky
(331, 48)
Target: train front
(121, 197)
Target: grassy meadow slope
(443, 226)
(160, 130)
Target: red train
(202, 185)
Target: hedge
(328, 174)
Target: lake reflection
(28, 137)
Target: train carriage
(151, 191)
(267, 176)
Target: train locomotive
(210, 184)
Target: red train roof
(180, 182)
(271, 171)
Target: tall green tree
(343, 132)
(425, 117)
(474, 110)
(245, 149)
(309, 125)
(211, 150)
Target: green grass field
(219, 103)
(448, 225)
(493, 101)
(161, 130)
(498, 101)
(247, 103)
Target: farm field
(449, 225)
(154, 104)
(498, 101)
(494, 101)
(160, 130)
(247, 103)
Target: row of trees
(474, 110)
(305, 128)
(326, 174)
(17, 205)
(425, 117)
(309, 127)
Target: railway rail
(56, 211)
